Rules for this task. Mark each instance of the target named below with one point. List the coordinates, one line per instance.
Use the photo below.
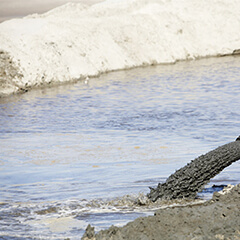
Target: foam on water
(80, 154)
(58, 220)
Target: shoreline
(22, 90)
(77, 41)
(218, 218)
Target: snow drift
(75, 41)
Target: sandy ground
(218, 218)
(19, 8)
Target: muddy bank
(218, 218)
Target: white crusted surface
(76, 41)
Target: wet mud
(218, 218)
(191, 179)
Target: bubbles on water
(71, 217)
(80, 141)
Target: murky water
(87, 152)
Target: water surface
(83, 153)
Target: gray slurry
(218, 218)
(189, 180)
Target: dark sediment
(9, 75)
(236, 52)
(189, 180)
(218, 218)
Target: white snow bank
(76, 41)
